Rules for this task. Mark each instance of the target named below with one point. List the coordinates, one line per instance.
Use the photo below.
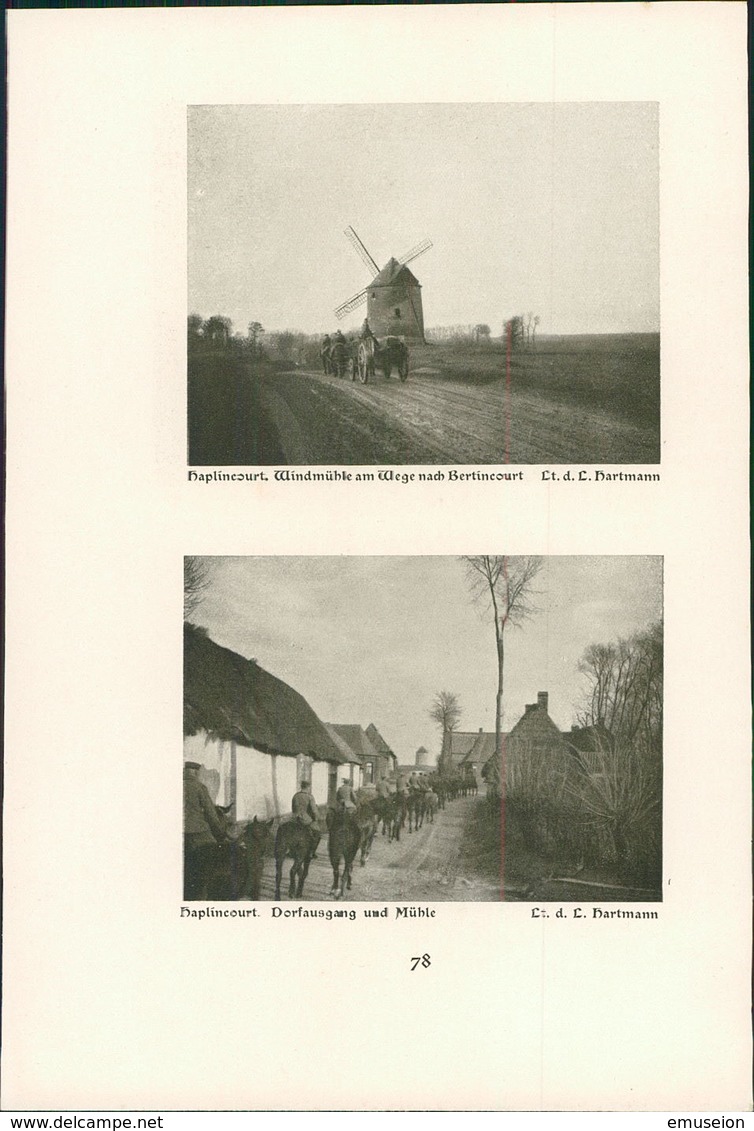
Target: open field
(582, 400)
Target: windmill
(393, 298)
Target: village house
(353, 767)
(470, 750)
(255, 738)
(362, 749)
(387, 762)
(535, 747)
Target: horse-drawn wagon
(392, 353)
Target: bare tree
(514, 333)
(196, 579)
(506, 587)
(624, 688)
(255, 330)
(446, 712)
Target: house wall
(214, 757)
(537, 758)
(320, 779)
(265, 783)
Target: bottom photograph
(422, 729)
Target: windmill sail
(350, 304)
(393, 297)
(415, 252)
(361, 251)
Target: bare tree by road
(506, 587)
(446, 712)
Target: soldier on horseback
(383, 787)
(346, 798)
(203, 831)
(304, 809)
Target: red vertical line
(507, 409)
(502, 815)
(503, 750)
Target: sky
(373, 639)
(545, 208)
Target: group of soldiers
(206, 826)
(338, 339)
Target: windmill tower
(393, 298)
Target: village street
(423, 866)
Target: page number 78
(423, 960)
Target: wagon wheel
(403, 366)
(363, 365)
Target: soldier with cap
(325, 352)
(346, 798)
(383, 787)
(305, 811)
(202, 833)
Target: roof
(394, 273)
(461, 741)
(349, 755)
(472, 746)
(232, 698)
(377, 741)
(355, 737)
(535, 720)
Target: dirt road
(431, 419)
(422, 866)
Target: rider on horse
(304, 809)
(347, 799)
(383, 787)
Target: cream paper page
(111, 999)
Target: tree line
(288, 347)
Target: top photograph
(475, 283)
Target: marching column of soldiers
(208, 829)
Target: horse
(339, 358)
(371, 353)
(236, 871)
(383, 808)
(393, 353)
(430, 806)
(415, 809)
(342, 844)
(367, 818)
(293, 839)
(398, 815)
